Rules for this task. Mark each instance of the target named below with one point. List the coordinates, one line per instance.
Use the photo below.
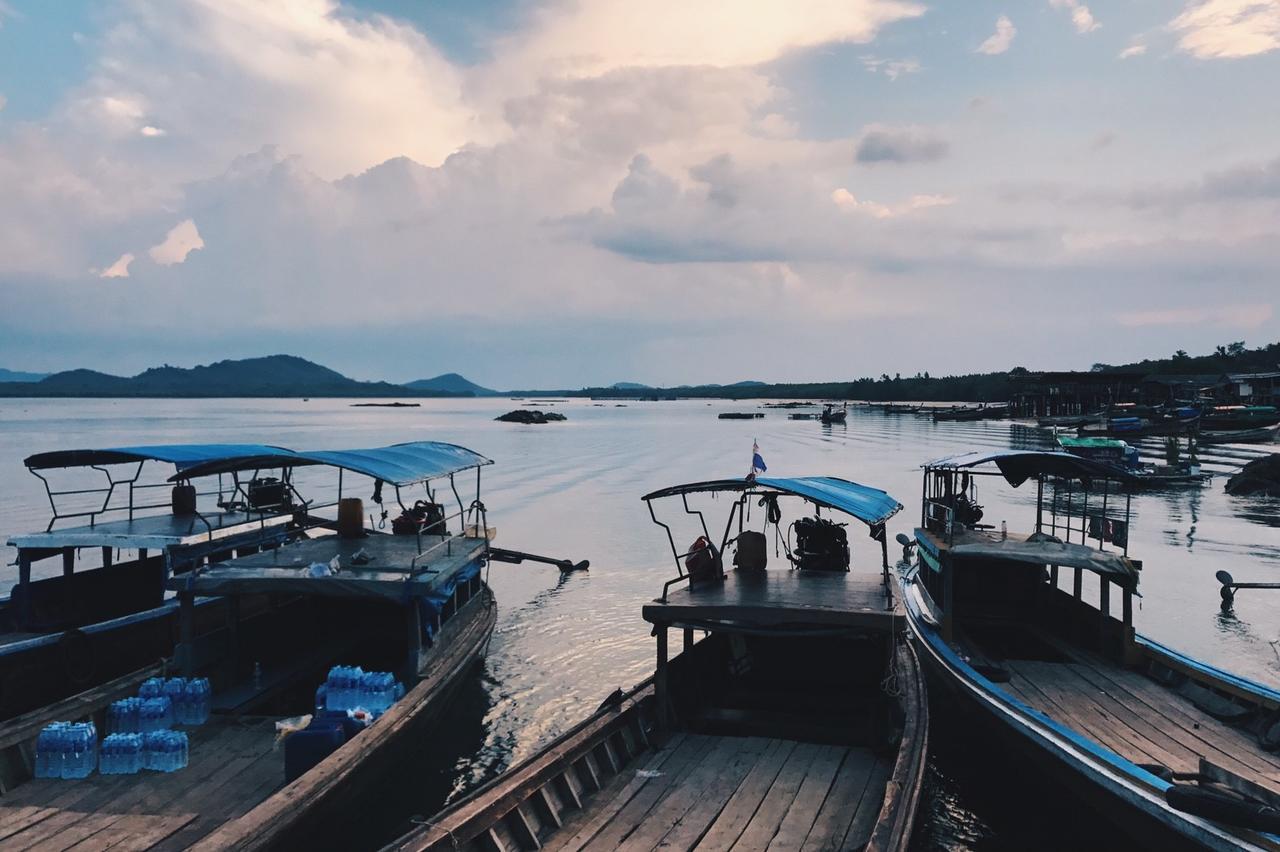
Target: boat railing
(939, 517)
(480, 525)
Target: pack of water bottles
(165, 751)
(120, 754)
(66, 750)
(350, 687)
(161, 704)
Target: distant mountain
(747, 384)
(451, 383)
(272, 376)
(629, 386)
(19, 376)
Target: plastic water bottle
(46, 751)
(152, 687)
(175, 690)
(79, 754)
(122, 716)
(196, 701)
(183, 749)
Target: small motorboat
(1260, 435)
(830, 414)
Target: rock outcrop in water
(530, 417)
(1259, 478)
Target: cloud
(891, 68)
(148, 130)
(182, 239)
(999, 41)
(1245, 316)
(845, 200)
(1137, 47)
(119, 269)
(1105, 139)
(886, 144)
(1228, 29)
(1080, 15)
(585, 39)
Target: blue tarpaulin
(182, 455)
(401, 464)
(869, 505)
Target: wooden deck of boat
(232, 767)
(1139, 719)
(745, 793)
(773, 597)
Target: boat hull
(299, 815)
(1107, 784)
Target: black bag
(821, 545)
(267, 493)
(423, 517)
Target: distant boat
(386, 405)
(830, 414)
(1116, 452)
(740, 415)
(1239, 417)
(1164, 746)
(1261, 435)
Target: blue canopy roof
(401, 464)
(869, 505)
(182, 455)
(1018, 466)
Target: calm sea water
(573, 490)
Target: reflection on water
(571, 490)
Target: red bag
(703, 562)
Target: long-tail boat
(413, 602)
(1172, 751)
(102, 615)
(750, 737)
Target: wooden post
(68, 561)
(948, 599)
(24, 580)
(688, 638)
(1104, 611)
(660, 686)
(106, 557)
(1078, 583)
(185, 652)
(414, 619)
(1053, 575)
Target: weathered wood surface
(232, 767)
(22, 728)
(1139, 719)
(855, 599)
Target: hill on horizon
(451, 383)
(269, 376)
(20, 376)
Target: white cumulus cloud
(1137, 47)
(846, 200)
(1228, 29)
(1081, 17)
(119, 269)
(182, 239)
(999, 41)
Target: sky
(537, 193)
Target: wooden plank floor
(855, 598)
(231, 768)
(734, 793)
(1138, 718)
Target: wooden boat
(740, 415)
(830, 414)
(413, 603)
(1113, 451)
(747, 738)
(1235, 418)
(1068, 421)
(1169, 750)
(1261, 435)
(1139, 427)
(105, 614)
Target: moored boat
(104, 615)
(1232, 418)
(830, 414)
(1140, 475)
(749, 737)
(411, 605)
(1260, 435)
(1171, 751)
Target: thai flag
(757, 461)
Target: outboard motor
(821, 545)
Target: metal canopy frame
(738, 509)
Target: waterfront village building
(1050, 394)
